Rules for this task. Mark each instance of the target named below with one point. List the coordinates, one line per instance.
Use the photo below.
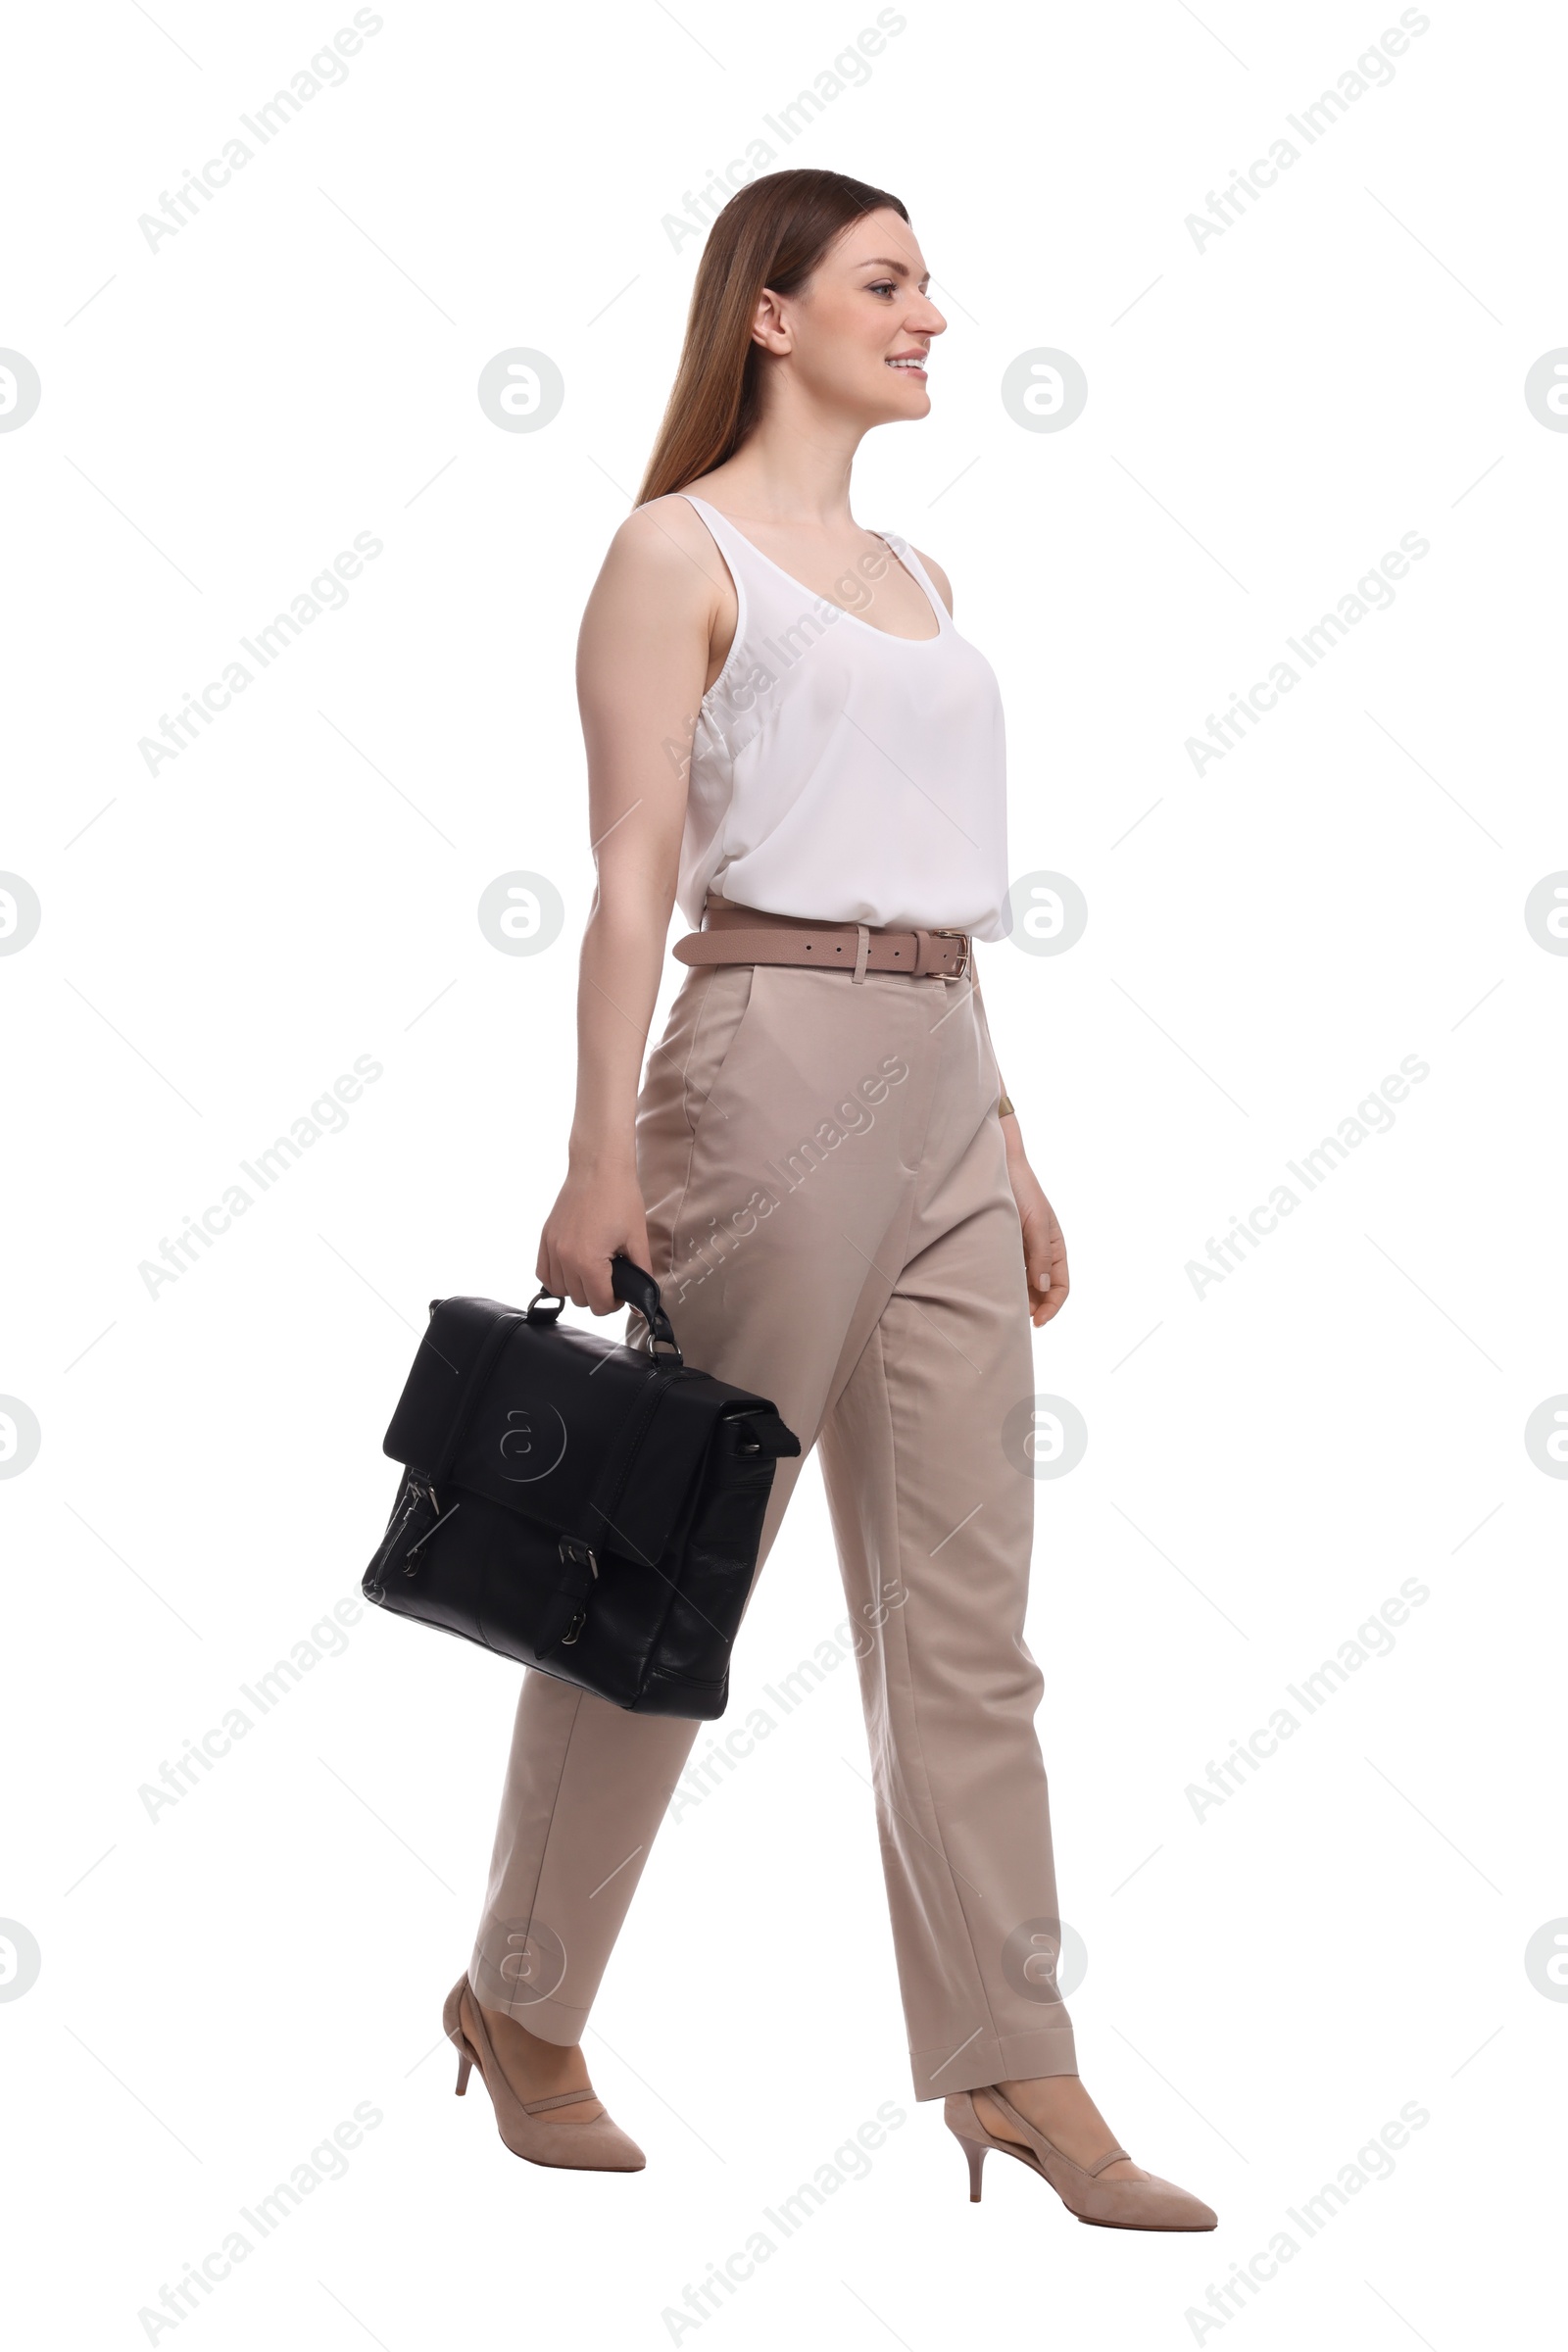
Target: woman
(787, 735)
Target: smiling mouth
(912, 364)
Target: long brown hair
(772, 233)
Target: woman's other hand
(1045, 1253)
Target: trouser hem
(993, 2058)
(551, 2020)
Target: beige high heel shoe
(1148, 2204)
(596, 2147)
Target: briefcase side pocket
(415, 1516)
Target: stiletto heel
(597, 2146)
(1147, 2204)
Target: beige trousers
(831, 1224)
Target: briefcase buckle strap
(574, 1552)
(410, 1558)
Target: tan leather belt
(735, 934)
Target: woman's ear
(769, 325)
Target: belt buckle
(940, 933)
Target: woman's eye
(883, 286)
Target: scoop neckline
(944, 617)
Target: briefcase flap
(448, 1368)
(546, 1405)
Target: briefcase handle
(634, 1287)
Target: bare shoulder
(944, 584)
(660, 585)
(665, 542)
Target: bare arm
(641, 660)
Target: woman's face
(858, 337)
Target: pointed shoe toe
(526, 2125)
(1147, 2204)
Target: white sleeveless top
(842, 773)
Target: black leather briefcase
(584, 1506)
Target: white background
(1268, 1984)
